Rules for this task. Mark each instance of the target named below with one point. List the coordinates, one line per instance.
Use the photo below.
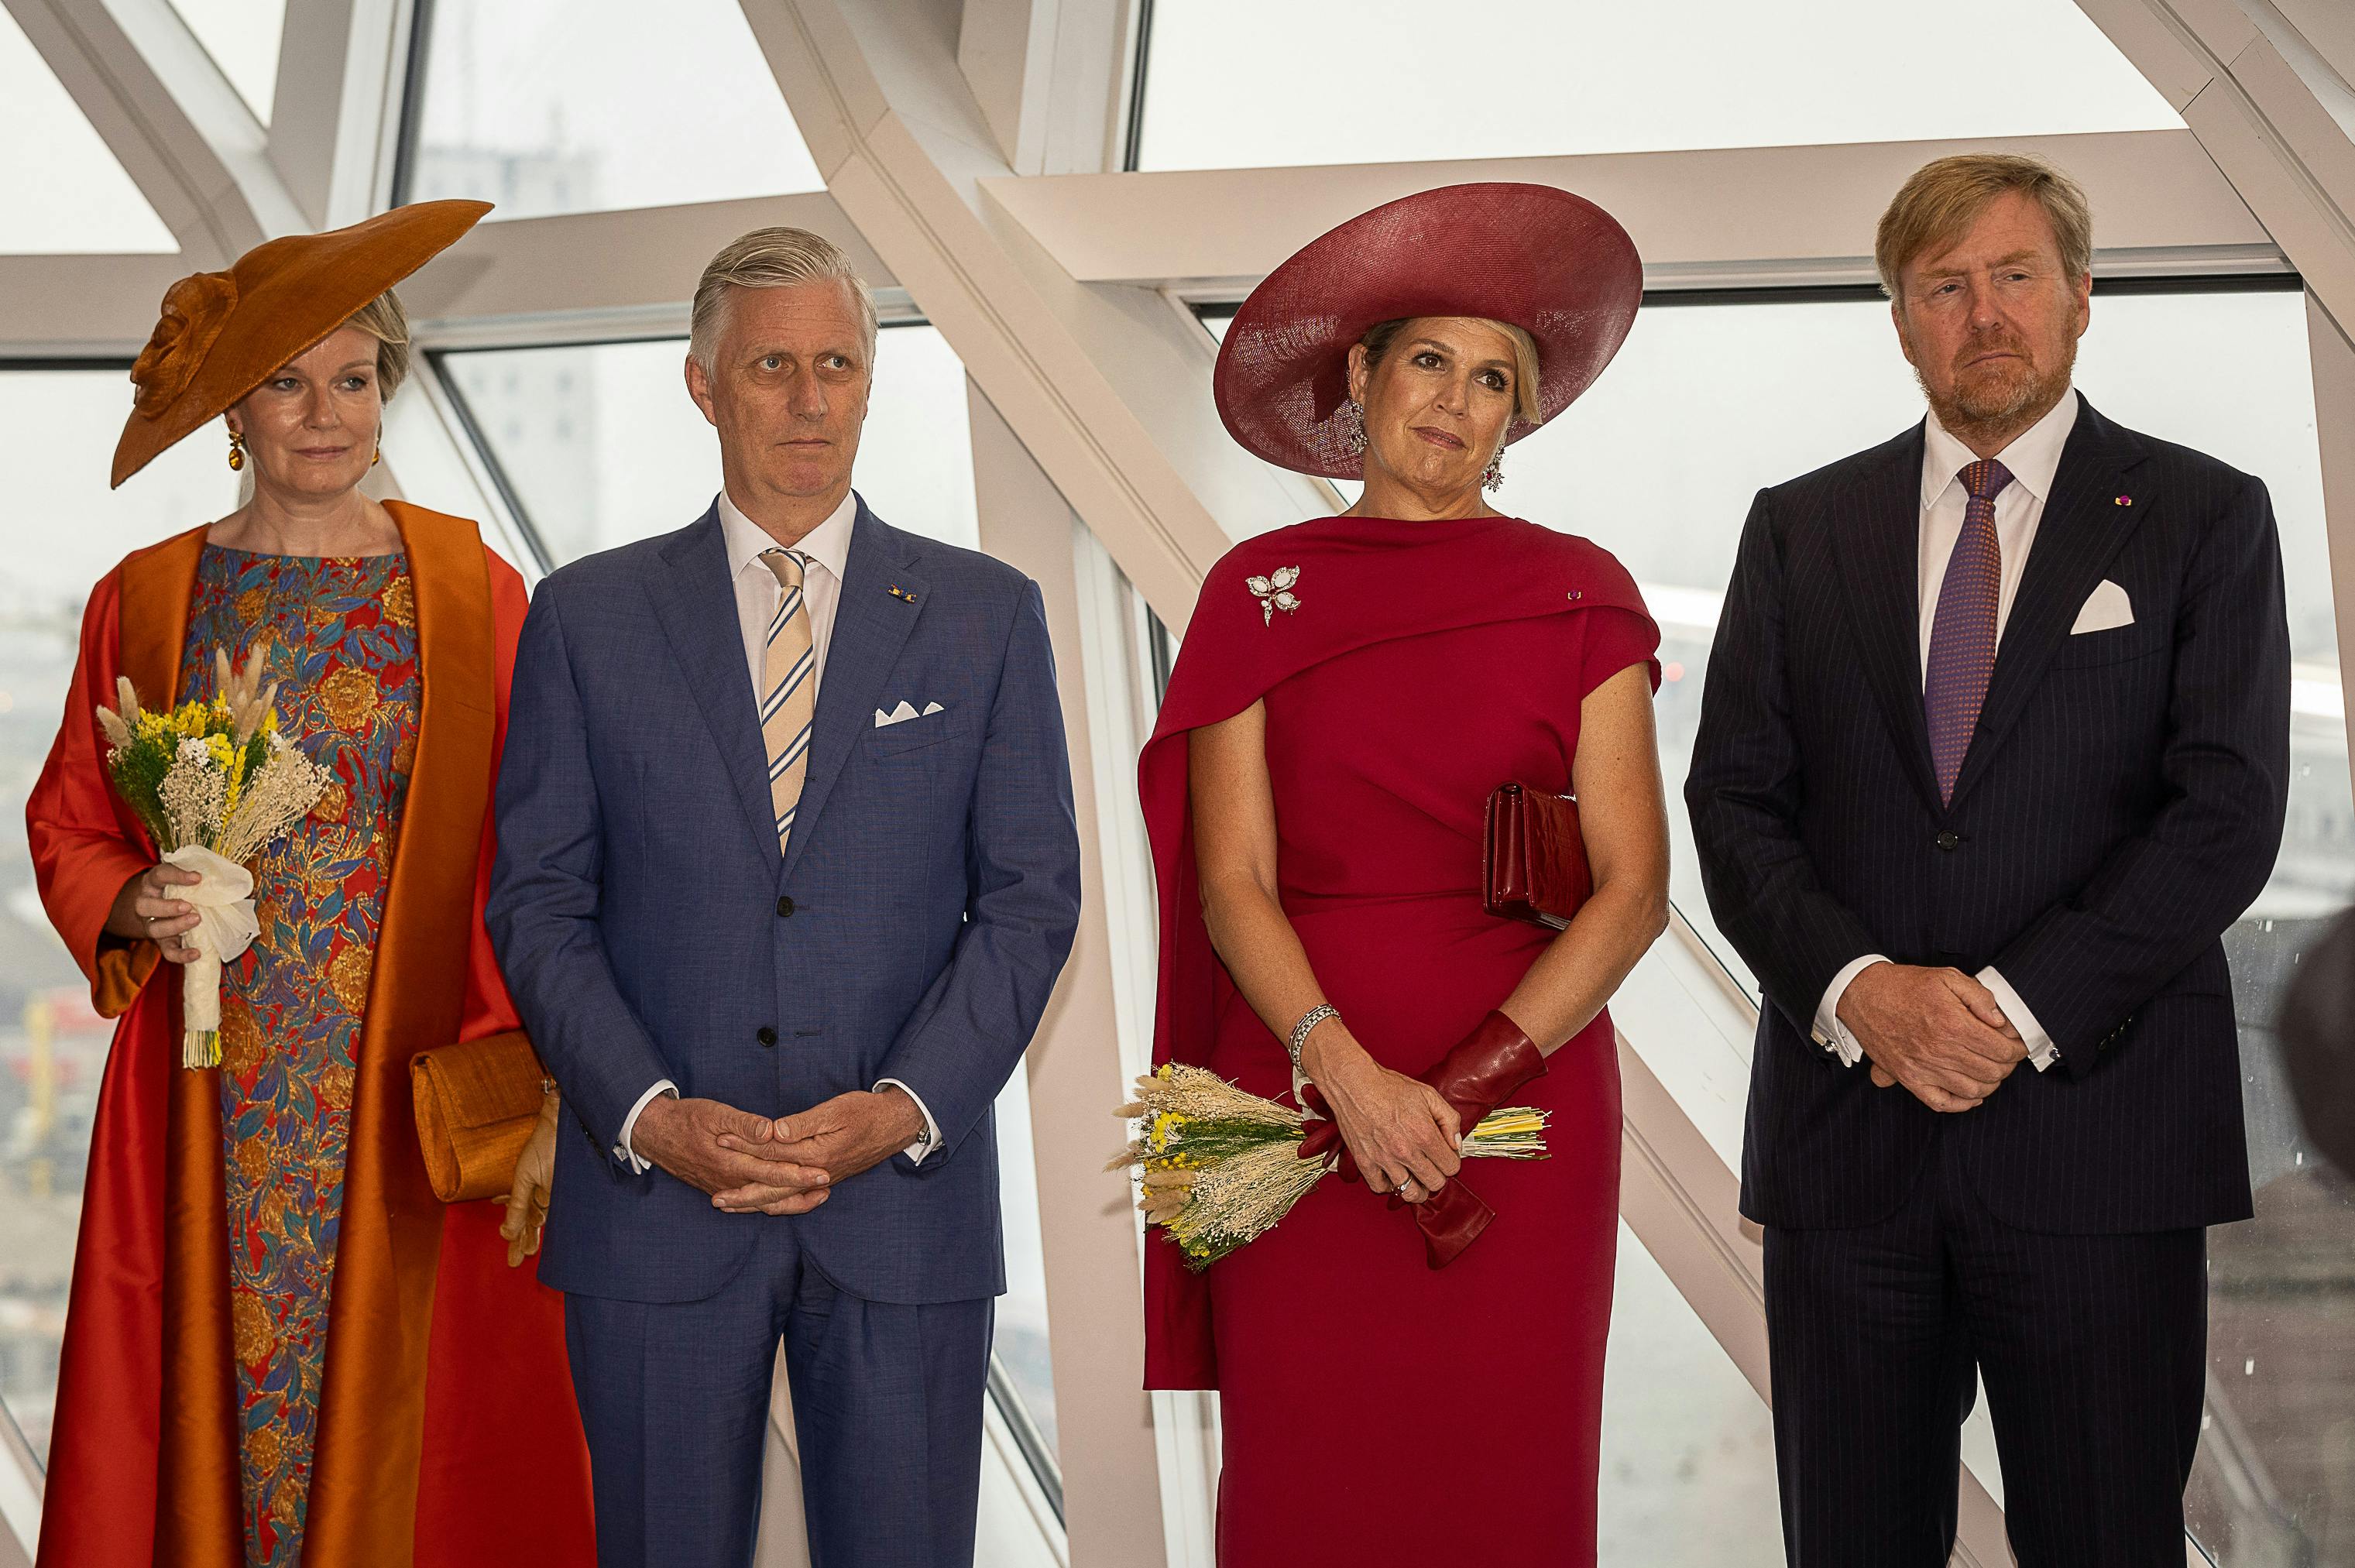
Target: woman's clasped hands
(1403, 1136)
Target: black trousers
(2093, 1349)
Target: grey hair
(768, 259)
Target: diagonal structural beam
(169, 117)
(2273, 110)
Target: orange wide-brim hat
(223, 333)
(1553, 264)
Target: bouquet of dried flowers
(1218, 1168)
(214, 784)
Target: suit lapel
(872, 625)
(697, 603)
(2077, 539)
(1879, 528)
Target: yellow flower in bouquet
(1217, 1167)
(214, 784)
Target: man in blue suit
(787, 868)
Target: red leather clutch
(1533, 860)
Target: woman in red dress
(280, 1349)
(1349, 692)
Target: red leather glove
(1487, 1067)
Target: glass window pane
(1228, 84)
(549, 106)
(66, 529)
(602, 445)
(242, 37)
(1021, 1335)
(1688, 1446)
(73, 197)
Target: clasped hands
(788, 1165)
(1939, 1032)
(1404, 1136)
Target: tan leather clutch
(477, 1101)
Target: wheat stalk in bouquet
(214, 784)
(1217, 1167)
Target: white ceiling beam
(2270, 110)
(169, 117)
(1698, 219)
(601, 262)
(72, 307)
(332, 124)
(1107, 388)
(1048, 77)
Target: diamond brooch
(1274, 592)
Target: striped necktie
(1961, 637)
(789, 690)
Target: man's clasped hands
(1939, 1032)
(757, 1165)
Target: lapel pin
(900, 593)
(2123, 501)
(1576, 594)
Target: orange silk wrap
(448, 1432)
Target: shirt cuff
(930, 1140)
(1830, 1033)
(2042, 1052)
(622, 1150)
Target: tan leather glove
(527, 1191)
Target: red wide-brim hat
(1554, 264)
(222, 334)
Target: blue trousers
(887, 1406)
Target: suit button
(1949, 840)
(765, 1035)
(784, 909)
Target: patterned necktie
(1961, 637)
(789, 687)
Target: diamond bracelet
(1300, 1031)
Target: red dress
(1375, 1410)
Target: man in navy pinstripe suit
(1993, 748)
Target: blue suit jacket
(649, 928)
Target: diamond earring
(1353, 434)
(1492, 478)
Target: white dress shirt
(2032, 458)
(827, 550)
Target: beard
(2002, 399)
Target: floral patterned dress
(342, 639)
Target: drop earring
(1492, 478)
(236, 451)
(378, 456)
(1353, 431)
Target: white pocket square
(2106, 609)
(905, 711)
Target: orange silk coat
(448, 1433)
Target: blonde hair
(383, 319)
(1381, 335)
(768, 259)
(1945, 198)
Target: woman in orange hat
(280, 1349)
(1350, 694)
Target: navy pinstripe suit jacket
(2120, 805)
